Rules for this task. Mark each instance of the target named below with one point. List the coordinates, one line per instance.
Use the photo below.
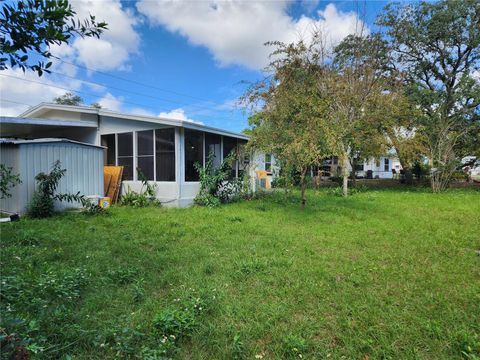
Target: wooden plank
(115, 172)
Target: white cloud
(235, 31)
(115, 46)
(177, 114)
(30, 92)
(110, 102)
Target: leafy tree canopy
(29, 27)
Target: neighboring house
(165, 150)
(384, 167)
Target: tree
(30, 27)
(74, 100)
(357, 87)
(68, 99)
(437, 47)
(288, 109)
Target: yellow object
(262, 175)
(104, 202)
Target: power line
(14, 102)
(137, 82)
(135, 93)
(80, 92)
(70, 90)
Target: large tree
(289, 109)
(29, 27)
(357, 87)
(437, 47)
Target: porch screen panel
(145, 155)
(108, 141)
(125, 154)
(193, 153)
(165, 154)
(213, 145)
(229, 146)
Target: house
(384, 167)
(164, 150)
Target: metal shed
(83, 162)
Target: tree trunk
(302, 189)
(354, 172)
(345, 175)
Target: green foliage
(338, 191)
(8, 180)
(43, 201)
(437, 46)
(216, 187)
(238, 348)
(30, 27)
(146, 196)
(294, 347)
(68, 99)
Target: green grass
(383, 274)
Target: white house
(165, 150)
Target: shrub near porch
(382, 274)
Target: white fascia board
(42, 121)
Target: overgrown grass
(386, 274)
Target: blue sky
(186, 60)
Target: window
(229, 146)
(165, 152)
(213, 145)
(125, 154)
(386, 165)
(193, 153)
(145, 155)
(359, 167)
(268, 162)
(108, 141)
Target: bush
(215, 185)
(43, 202)
(459, 176)
(146, 196)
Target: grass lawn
(385, 274)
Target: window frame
(117, 152)
(169, 152)
(202, 146)
(138, 156)
(386, 165)
(265, 162)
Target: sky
(189, 60)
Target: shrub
(43, 202)
(8, 180)
(146, 196)
(459, 176)
(215, 185)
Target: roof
(41, 108)
(42, 121)
(14, 141)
